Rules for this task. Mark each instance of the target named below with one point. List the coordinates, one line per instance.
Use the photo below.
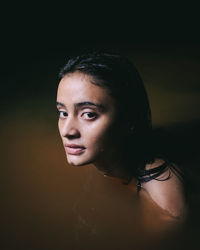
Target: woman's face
(87, 115)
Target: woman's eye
(89, 115)
(62, 114)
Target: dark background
(36, 40)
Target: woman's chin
(74, 161)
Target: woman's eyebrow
(60, 104)
(81, 104)
(87, 103)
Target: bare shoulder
(168, 193)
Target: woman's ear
(132, 129)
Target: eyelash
(63, 115)
(91, 113)
(62, 112)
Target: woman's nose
(70, 129)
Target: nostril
(72, 136)
(73, 133)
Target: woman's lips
(74, 149)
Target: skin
(75, 122)
(94, 127)
(169, 194)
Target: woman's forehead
(78, 87)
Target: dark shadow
(180, 141)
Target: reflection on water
(50, 205)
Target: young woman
(105, 119)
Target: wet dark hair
(123, 81)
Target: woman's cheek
(104, 138)
(99, 132)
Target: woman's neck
(114, 169)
